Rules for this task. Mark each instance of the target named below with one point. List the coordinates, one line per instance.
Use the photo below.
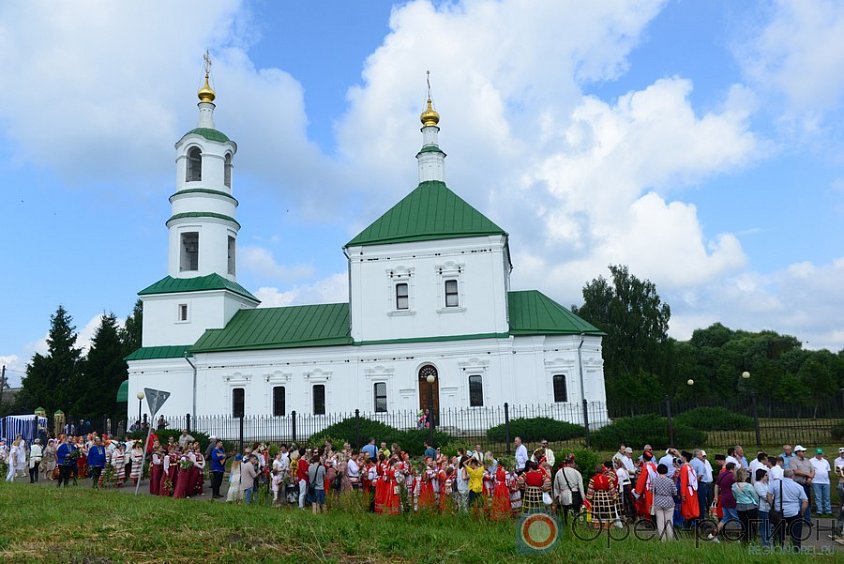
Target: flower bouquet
(185, 463)
(167, 487)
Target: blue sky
(698, 142)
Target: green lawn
(78, 524)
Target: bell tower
(200, 291)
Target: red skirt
(500, 502)
(427, 499)
(82, 467)
(392, 499)
(183, 484)
(155, 479)
(381, 487)
(198, 480)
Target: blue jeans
(807, 516)
(247, 495)
(764, 528)
(822, 502)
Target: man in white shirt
(549, 454)
(775, 471)
(521, 455)
(839, 462)
(820, 483)
(622, 452)
(761, 461)
(668, 458)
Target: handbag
(776, 515)
(546, 498)
(576, 496)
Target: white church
(431, 321)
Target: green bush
(585, 459)
(535, 429)
(645, 429)
(714, 419)
(356, 431)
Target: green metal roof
(170, 285)
(210, 134)
(154, 353)
(214, 215)
(205, 191)
(430, 212)
(123, 392)
(431, 149)
(280, 328)
(534, 313)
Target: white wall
(515, 370)
(477, 263)
(206, 310)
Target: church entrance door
(429, 391)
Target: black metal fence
(765, 423)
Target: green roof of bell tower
(430, 212)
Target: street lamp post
(431, 379)
(745, 378)
(140, 397)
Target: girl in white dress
(234, 493)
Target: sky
(699, 143)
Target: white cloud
(332, 289)
(799, 54)
(261, 261)
(803, 299)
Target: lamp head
(140, 396)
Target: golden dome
(206, 93)
(430, 117)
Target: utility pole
(2, 383)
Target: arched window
(560, 392)
(227, 172)
(476, 391)
(194, 170)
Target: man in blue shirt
(787, 455)
(370, 450)
(429, 451)
(65, 460)
(96, 460)
(218, 468)
(790, 497)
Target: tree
(48, 378)
(635, 319)
(103, 372)
(132, 331)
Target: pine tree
(132, 330)
(49, 377)
(103, 372)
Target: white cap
(799, 448)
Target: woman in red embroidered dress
(155, 470)
(427, 498)
(381, 484)
(501, 509)
(392, 497)
(198, 471)
(183, 476)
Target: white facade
(440, 303)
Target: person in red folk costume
(500, 509)
(392, 499)
(427, 497)
(382, 483)
(644, 491)
(183, 475)
(198, 470)
(169, 468)
(689, 502)
(155, 469)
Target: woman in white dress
(14, 460)
(234, 493)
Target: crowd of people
(767, 497)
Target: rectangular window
(476, 391)
(319, 399)
(183, 312)
(190, 251)
(278, 401)
(231, 254)
(380, 392)
(402, 301)
(238, 402)
(451, 299)
(560, 392)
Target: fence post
(241, 434)
(756, 420)
(670, 421)
(357, 427)
(507, 425)
(586, 420)
(187, 422)
(293, 425)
